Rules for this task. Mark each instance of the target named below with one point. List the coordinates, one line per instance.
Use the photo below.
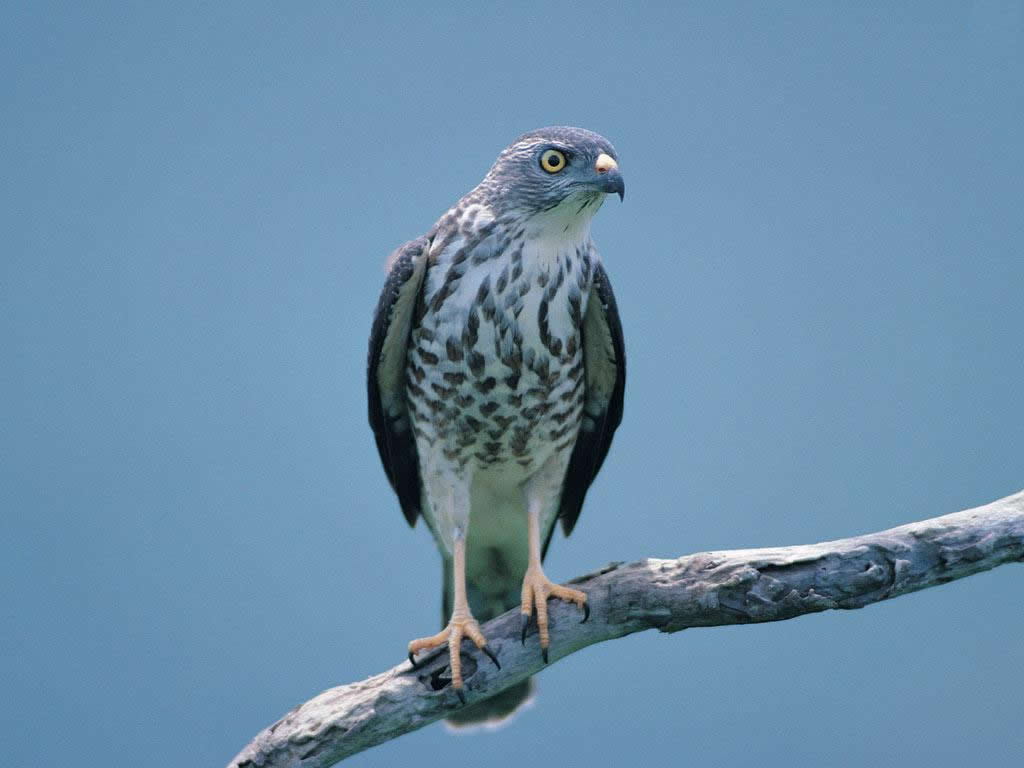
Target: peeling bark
(703, 590)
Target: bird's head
(562, 170)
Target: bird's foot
(459, 627)
(537, 588)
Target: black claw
(412, 660)
(586, 613)
(524, 624)
(461, 695)
(490, 654)
(544, 654)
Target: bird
(495, 382)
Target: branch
(703, 590)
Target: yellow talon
(537, 589)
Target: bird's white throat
(550, 235)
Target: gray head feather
(518, 185)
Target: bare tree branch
(702, 590)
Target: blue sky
(819, 266)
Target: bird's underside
(494, 539)
(496, 380)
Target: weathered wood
(703, 590)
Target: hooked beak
(608, 173)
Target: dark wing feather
(604, 362)
(385, 374)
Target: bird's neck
(560, 232)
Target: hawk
(495, 382)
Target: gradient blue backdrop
(820, 272)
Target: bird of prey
(495, 381)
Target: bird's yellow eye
(552, 160)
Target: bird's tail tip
(496, 711)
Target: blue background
(820, 272)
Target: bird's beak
(610, 178)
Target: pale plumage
(496, 376)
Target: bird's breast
(495, 374)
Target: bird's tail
(485, 605)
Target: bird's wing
(604, 361)
(385, 374)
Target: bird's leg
(537, 588)
(462, 624)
